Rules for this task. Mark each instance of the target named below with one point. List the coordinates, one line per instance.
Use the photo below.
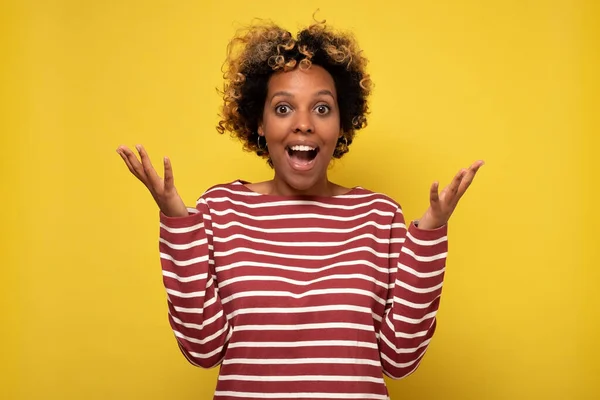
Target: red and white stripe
(311, 298)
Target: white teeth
(302, 148)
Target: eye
(282, 109)
(322, 109)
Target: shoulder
(366, 195)
(228, 191)
(236, 187)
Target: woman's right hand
(163, 190)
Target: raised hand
(442, 205)
(163, 190)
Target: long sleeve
(410, 319)
(195, 311)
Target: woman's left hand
(442, 205)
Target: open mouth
(302, 155)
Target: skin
(301, 107)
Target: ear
(260, 130)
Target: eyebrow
(288, 94)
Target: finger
(454, 185)
(127, 156)
(434, 197)
(127, 163)
(153, 177)
(169, 181)
(468, 178)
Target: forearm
(195, 310)
(410, 322)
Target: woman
(299, 287)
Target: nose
(303, 123)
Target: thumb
(434, 197)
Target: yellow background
(512, 82)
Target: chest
(304, 259)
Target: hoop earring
(258, 143)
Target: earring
(258, 142)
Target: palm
(163, 190)
(442, 205)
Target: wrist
(175, 213)
(427, 224)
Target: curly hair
(259, 51)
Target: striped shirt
(301, 297)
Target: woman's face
(301, 125)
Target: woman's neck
(324, 188)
